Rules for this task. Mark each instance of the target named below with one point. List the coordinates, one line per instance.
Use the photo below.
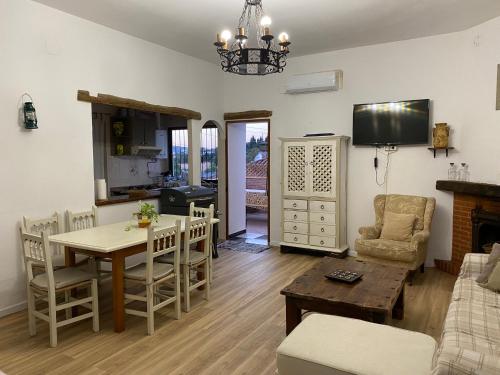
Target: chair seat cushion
(327, 344)
(387, 249)
(194, 257)
(63, 278)
(138, 272)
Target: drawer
(295, 238)
(322, 241)
(296, 227)
(291, 215)
(322, 206)
(322, 230)
(295, 204)
(322, 218)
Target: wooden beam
(116, 101)
(248, 115)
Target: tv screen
(391, 123)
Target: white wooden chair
(86, 220)
(205, 212)
(196, 230)
(152, 275)
(48, 285)
(50, 225)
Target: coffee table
(378, 294)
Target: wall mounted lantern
(30, 120)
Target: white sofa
(470, 342)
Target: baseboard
(237, 234)
(274, 243)
(13, 309)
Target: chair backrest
(35, 250)
(49, 225)
(197, 230)
(201, 211)
(421, 207)
(82, 220)
(161, 242)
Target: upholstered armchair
(409, 253)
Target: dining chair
(86, 220)
(197, 230)
(50, 225)
(46, 286)
(205, 212)
(152, 274)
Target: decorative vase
(440, 134)
(119, 149)
(143, 221)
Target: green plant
(147, 210)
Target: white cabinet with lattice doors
(314, 193)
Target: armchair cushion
(387, 249)
(397, 227)
(407, 204)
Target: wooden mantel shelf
(471, 188)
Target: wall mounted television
(391, 123)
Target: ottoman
(333, 345)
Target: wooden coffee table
(378, 294)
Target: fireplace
(476, 220)
(485, 230)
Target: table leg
(69, 257)
(293, 315)
(398, 310)
(118, 264)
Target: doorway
(247, 181)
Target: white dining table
(115, 241)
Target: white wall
(51, 55)
(458, 76)
(236, 176)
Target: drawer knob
(294, 227)
(295, 205)
(322, 242)
(294, 216)
(295, 239)
(322, 218)
(322, 206)
(322, 230)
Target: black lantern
(30, 121)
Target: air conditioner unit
(314, 82)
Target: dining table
(116, 242)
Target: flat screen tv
(391, 123)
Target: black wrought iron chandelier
(241, 56)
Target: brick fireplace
(476, 220)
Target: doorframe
(268, 120)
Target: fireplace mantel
(470, 188)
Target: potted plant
(147, 213)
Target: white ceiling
(190, 26)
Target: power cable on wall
(387, 155)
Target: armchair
(408, 254)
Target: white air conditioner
(314, 82)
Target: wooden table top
(377, 291)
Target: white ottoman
(328, 344)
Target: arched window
(209, 148)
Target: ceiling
(190, 26)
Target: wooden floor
(236, 332)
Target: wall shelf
(435, 150)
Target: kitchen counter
(154, 194)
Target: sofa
(469, 344)
(470, 341)
(407, 254)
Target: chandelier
(245, 56)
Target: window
(179, 149)
(209, 143)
